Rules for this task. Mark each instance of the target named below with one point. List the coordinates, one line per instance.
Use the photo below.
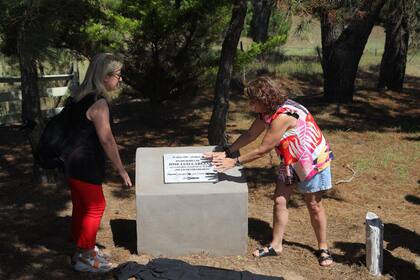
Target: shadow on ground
(355, 254)
(124, 234)
(372, 110)
(33, 237)
(398, 236)
(413, 199)
(262, 232)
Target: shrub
(169, 51)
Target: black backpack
(53, 139)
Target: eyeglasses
(117, 75)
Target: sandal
(91, 262)
(263, 253)
(96, 250)
(324, 255)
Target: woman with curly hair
(304, 153)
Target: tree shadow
(33, 237)
(13, 146)
(413, 199)
(399, 268)
(363, 115)
(371, 110)
(355, 254)
(398, 236)
(262, 232)
(230, 178)
(124, 192)
(257, 176)
(412, 138)
(124, 234)
(34, 240)
(333, 194)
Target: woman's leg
(91, 200)
(78, 211)
(318, 221)
(280, 216)
(91, 197)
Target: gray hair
(102, 64)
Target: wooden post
(319, 53)
(74, 82)
(243, 66)
(374, 244)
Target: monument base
(186, 218)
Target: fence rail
(58, 77)
(10, 102)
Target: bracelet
(237, 162)
(227, 152)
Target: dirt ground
(377, 137)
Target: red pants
(88, 208)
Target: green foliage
(43, 24)
(280, 23)
(170, 49)
(303, 28)
(340, 11)
(248, 18)
(258, 49)
(167, 45)
(111, 31)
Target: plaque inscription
(188, 168)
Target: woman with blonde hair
(91, 141)
(304, 154)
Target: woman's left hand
(223, 164)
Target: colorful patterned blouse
(303, 150)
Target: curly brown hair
(265, 90)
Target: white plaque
(188, 168)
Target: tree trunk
(216, 132)
(261, 19)
(394, 59)
(342, 48)
(31, 109)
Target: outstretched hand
(214, 155)
(126, 179)
(223, 164)
(220, 161)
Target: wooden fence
(51, 97)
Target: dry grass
(378, 136)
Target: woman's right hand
(126, 179)
(214, 155)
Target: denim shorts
(320, 182)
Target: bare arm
(256, 128)
(272, 137)
(98, 113)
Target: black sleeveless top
(85, 157)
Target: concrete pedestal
(184, 218)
